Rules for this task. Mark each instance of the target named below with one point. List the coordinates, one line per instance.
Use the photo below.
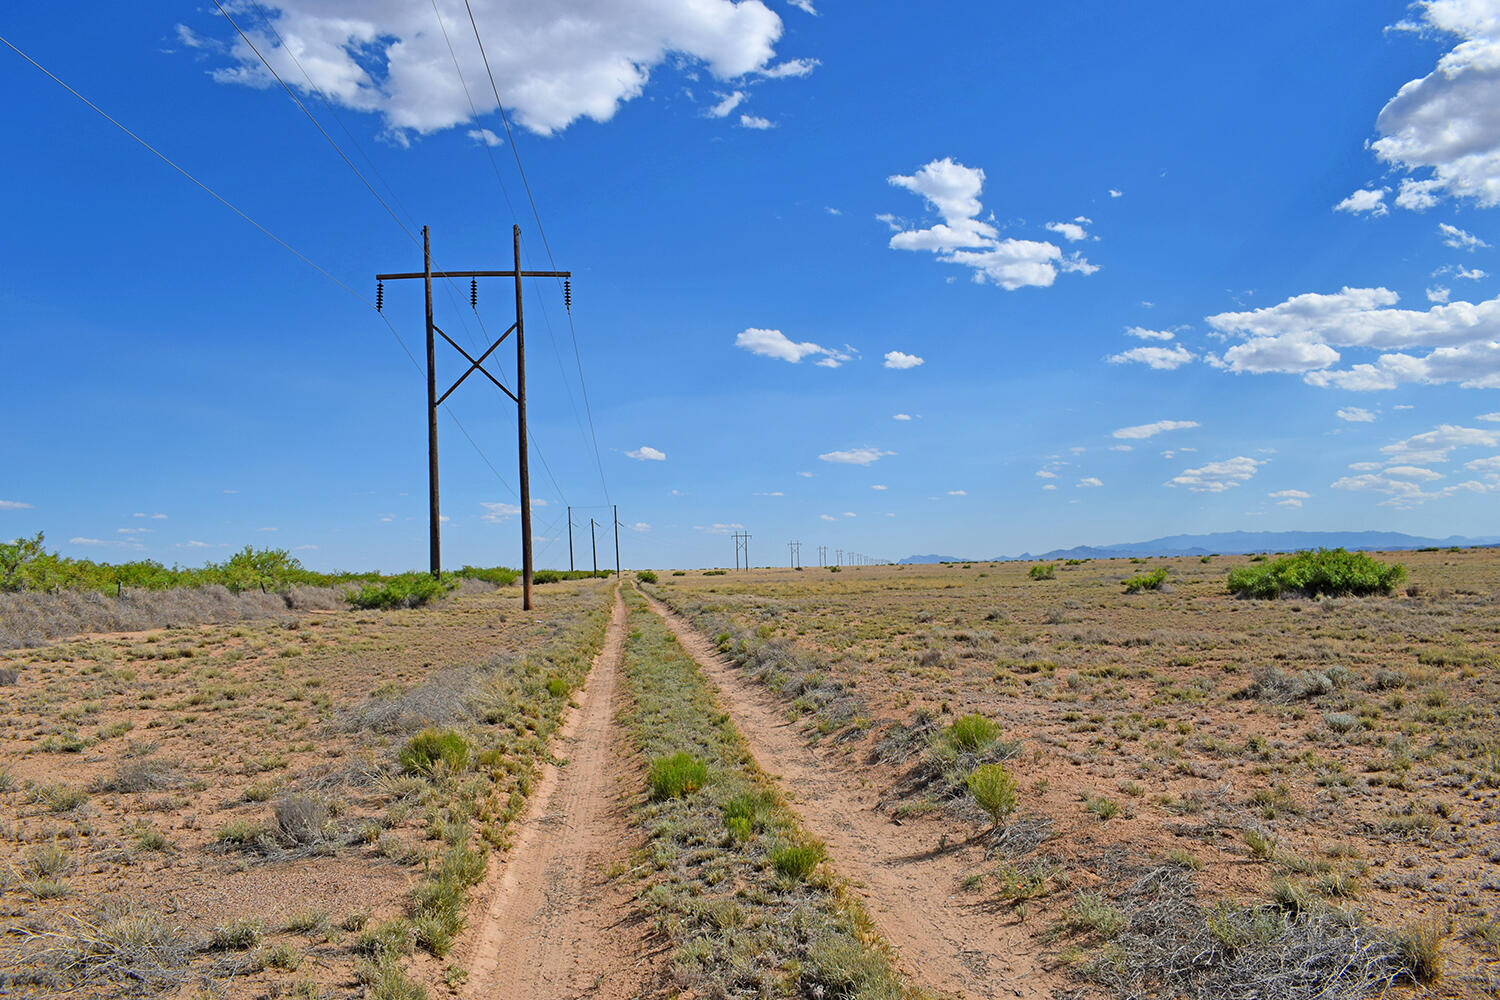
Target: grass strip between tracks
(737, 887)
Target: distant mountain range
(1234, 542)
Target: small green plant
(425, 749)
(1103, 807)
(797, 861)
(995, 790)
(557, 687)
(1260, 844)
(675, 776)
(973, 732)
(1045, 571)
(646, 576)
(1092, 913)
(1146, 581)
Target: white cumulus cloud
(952, 190)
(1443, 129)
(900, 359)
(1365, 200)
(1216, 477)
(553, 63)
(1448, 342)
(1160, 358)
(1355, 415)
(646, 453)
(775, 344)
(1141, 333)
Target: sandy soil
(554, 923)
(907, 873)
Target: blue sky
(980, 281)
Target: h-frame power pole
(794, 551)
(741, 542)
(434, 400)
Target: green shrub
(797, 861)
(675, 776)
(1331, 572)
(994, 789)
(500, 576)
(542, 576)
(1047, 571)
(408, 590)
(432, 745)
(557, 687)
(646, 576)
(973, 732)
(1093, 913)
(1146, 581)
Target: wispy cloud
(1142, 431)
(1216, 477)
(855, 456)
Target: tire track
(947, 939)
(555, 925)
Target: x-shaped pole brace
(476, 365)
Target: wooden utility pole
(617, 540)
(434, 400)
(594, 545)
(570, 538)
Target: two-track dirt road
(554, 925)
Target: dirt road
(555, 925)
(947, 939)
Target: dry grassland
(1279, 785)
(237, 809)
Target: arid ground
(885, 782)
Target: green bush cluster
(1331, 572)
(1047, 571)
(646, 576)
(1146, 581)
(27, 565)
(407, 590)
(542, 576)
(994, 789)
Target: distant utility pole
(570, 538)
(741, 541)
(840, 560)
(617, 541)
(594, 545)
(434, 400)
(794, 550)
(822, 555)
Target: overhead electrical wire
(515, 151)
(262, 229)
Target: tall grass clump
(675, 776)
(1330, 572)
(423, 751)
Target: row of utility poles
(794, 554)
(593, 542)
(518, 397)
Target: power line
(516, 152)
(263, 230)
